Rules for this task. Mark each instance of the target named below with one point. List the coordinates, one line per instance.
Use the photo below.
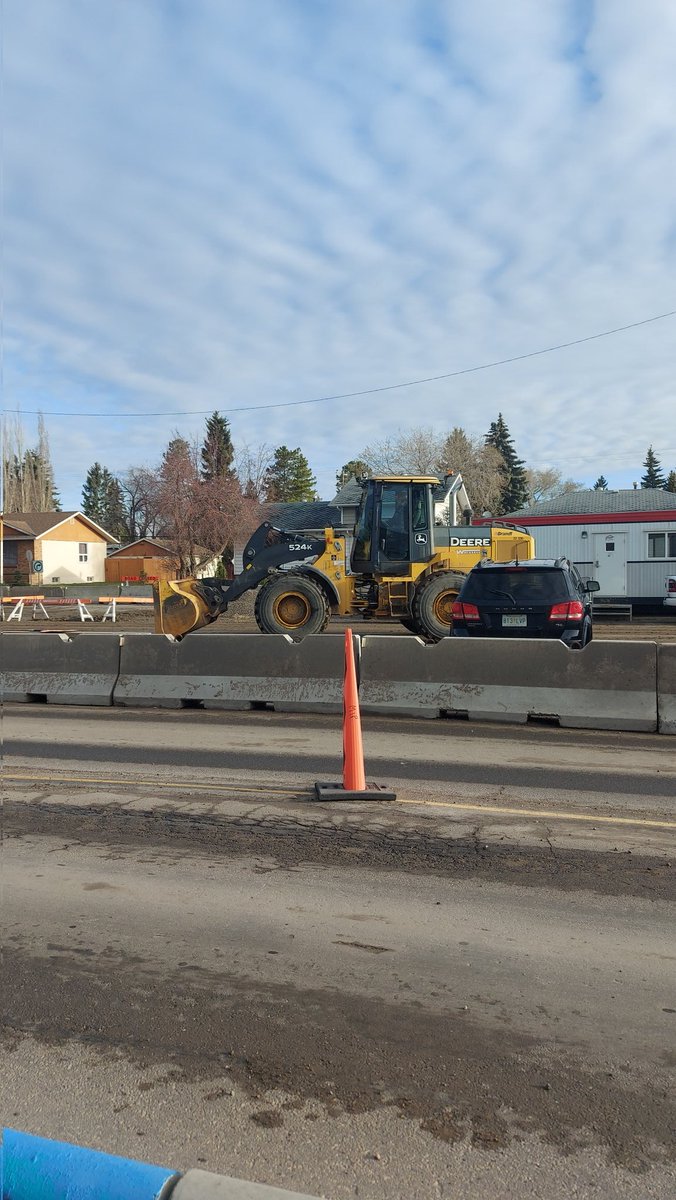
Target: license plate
(516, 622)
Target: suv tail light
(465, 612)
(571, 610)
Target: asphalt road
(467, 993)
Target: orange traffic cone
(354, 779)
(354, 786)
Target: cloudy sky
(226, 204)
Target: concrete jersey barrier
(231, 671)
(666, 689)
(57, 668)
(608, 685)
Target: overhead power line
(389, 387)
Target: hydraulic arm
(182, 605)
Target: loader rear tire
(433, 604)
(291, 603)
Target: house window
(10, 553)
(662, 545)
(82, 551)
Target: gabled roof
(38, 524)
(589, 501)
(349, 494)
(314, 514)
(161, 543)
(164, 544)
(17, 526)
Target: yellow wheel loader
(405, 564)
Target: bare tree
(27, 473)
(481, 466)
(252, 464)
(139, 492)
(546, 482)
(201, 519)
(407, 452)
(423, 451)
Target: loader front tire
(409, 624)
(433, 604)
(291, 603)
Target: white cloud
(220, 206)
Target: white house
(625, 539)
(53, 548)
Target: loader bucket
(178, 607)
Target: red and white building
(625, 539)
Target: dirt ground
(240, 619)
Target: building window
(82, 551)
(10, 551)
(662, 545)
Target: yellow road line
(459, 805)
(542, 812)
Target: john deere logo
(470, 541)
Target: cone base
(336, 791)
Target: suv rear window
(515, 583)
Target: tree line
(201, 496)
(198, 498)
(497, 480)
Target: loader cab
(394, 526)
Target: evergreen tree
(94, 493)
(103, 501)
(356, 468)
(289, 477)
(601, 484)
(178, 448)
(670, 485)
(116, 511)
(217, 450)
(514, 493)
(654, 477)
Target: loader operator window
(394, 522)
(363, 530)
(419, 507)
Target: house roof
(164, 544)
(315, 514)
(17, 526)
(591, 502)
(161, 543)
(349, 494)
(36, 524)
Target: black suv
(538, 598)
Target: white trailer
(626, 539)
